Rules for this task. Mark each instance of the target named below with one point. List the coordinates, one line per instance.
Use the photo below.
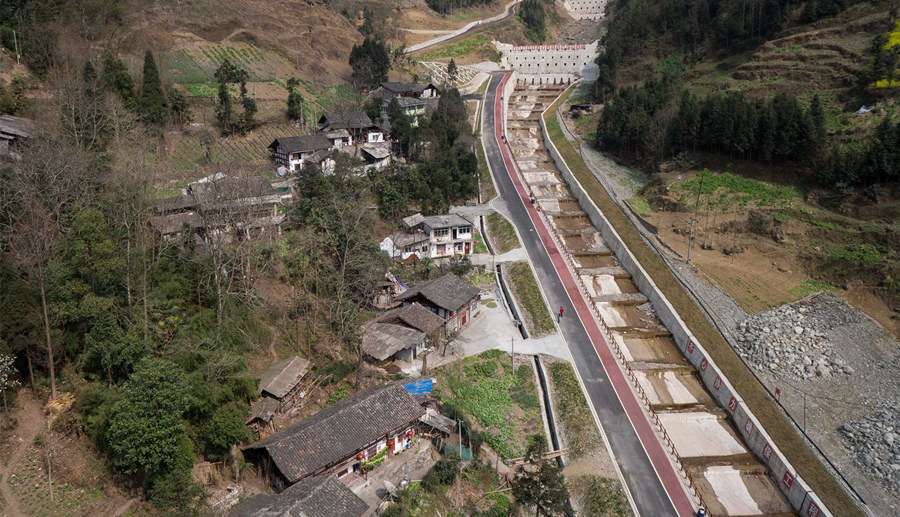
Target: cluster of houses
(310, 463)
(353, 132)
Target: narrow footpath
(647, 470)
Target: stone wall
(572, 60)
(586, 9)
(794, 488)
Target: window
(441, 233)
(464, 230)
(459, 246)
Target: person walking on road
(559, 316)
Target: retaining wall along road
(798, 493)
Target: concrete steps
(621, 299)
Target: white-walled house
(434, 237)
(359, 126)
(290, 152)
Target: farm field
(502, 403)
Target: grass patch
(733, 189)
(525, 288)
(486, 183)
(600, 496)
(792, 444)
(480, 246)
(335, 371)
(580, 429)
(502, 403)
(459, 48)
(29, 484)
(808, 287)
(473, 483)
(503, 235)
(640, 206)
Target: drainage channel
(504, 289)
(545, 393)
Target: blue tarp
(419, 387)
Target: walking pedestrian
(559, 316)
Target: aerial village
(475, 258)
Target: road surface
(651, 478)
(507, 12)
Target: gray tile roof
(340, 431)
(282, 376)
(263, 409)
(448, 292)
(304, 144)
(346, 120)
(382, 340)
(397, 88)
(445, 221)
(415, 316)
(320, 496)
(17, 127)
(413, 220)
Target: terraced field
(187, 153)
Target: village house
(449, 296)
(387, 342)
(239, 207)
(14, 132)
(280, 389)
(357, 124)
(340, 439)
(434, 237)
(319, 496)
(414, 99)
(291, 152)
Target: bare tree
(50, 177)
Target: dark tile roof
(346, 120)
(340, 431)
(405, 88)
(18, 127)
(448, 292)
(282, 376)
(174, 204)
(304, 144)
(382, 340)
(320, 496)
(219, 192)
(415, 316)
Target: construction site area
(718, 466)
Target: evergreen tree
(532, 15)
(228, 73)
(452, 72)
(152, 102)
(178, 107)
(540, 484)
(224, 110)
(368, 25)
(117, 79)
(370, 62)
(817, 117)
(294, 101)
(449, 120)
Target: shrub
(443, 473)
(224, 429)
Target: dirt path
(30, 422)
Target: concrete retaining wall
(586, 9)
(804, 501)
(549, 59)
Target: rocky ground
(875, 443)
(798, 339)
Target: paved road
(507, 12)
(649, 475)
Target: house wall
(464, 241)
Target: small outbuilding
(321, 496)
(384, 342)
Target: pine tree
(294, 101)
(540, 484)
(370, 62)
(152, 102)
(452, 72)
(817, 116)
(117, 79)
(178, 107)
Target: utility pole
(16, 44)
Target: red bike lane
(665, 470)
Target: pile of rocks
(794, 339)
(874, 442)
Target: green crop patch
(733, 189)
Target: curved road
(459, 32)
(651, 478)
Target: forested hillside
(800, 92)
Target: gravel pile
(793, 340)
(874, 442)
